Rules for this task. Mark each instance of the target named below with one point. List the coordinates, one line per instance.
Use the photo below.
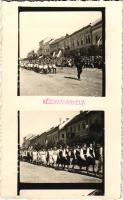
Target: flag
(99, 42)
(46, 141)
(59, 54)
(54, 54)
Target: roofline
(51, 130)
(46, 132)
(57, 40)
(86, 113)
(89, 25)
(95, 26)
(65, 123)
(95, 23)
(68, 36)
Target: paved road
(64, 83)
(39, 174)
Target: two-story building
(56, 45)
(53, 136)
(27, 141)
(97, 37)
(85, 127)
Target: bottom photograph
(61, 150)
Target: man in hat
(78, 64)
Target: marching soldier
(78, 64)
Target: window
(68, 135)
(81, 41)
(89, 39)
(62, 136)
(77, 43)
(72, 43)
(86, 39)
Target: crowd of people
(67, 157)
(48, 64)
(87, 62)
(44, 65)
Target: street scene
(62, 84)
(67, 61)
(67, 148)
(31, 173)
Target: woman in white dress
(34, 156)
(83, 156)
(43, 157)
(50, 67)
(55, 156)
(39, 157)
(50, 157)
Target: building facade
(56, 45)
(87, 40)
(62, 132)
(97, 33)
(44, 47)
(49, 138)
(84, 127)
(27, 141)
(82, 40)
(53, 136)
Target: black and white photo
(61, 100)
(62, 151)
(61, 52)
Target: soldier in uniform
(78, 64)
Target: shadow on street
(71, 77)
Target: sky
(35, 26)
(36, 122)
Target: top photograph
(61, 51)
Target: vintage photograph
(62, 151)
(61, 52)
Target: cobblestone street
(39, 174)
(63, 83)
